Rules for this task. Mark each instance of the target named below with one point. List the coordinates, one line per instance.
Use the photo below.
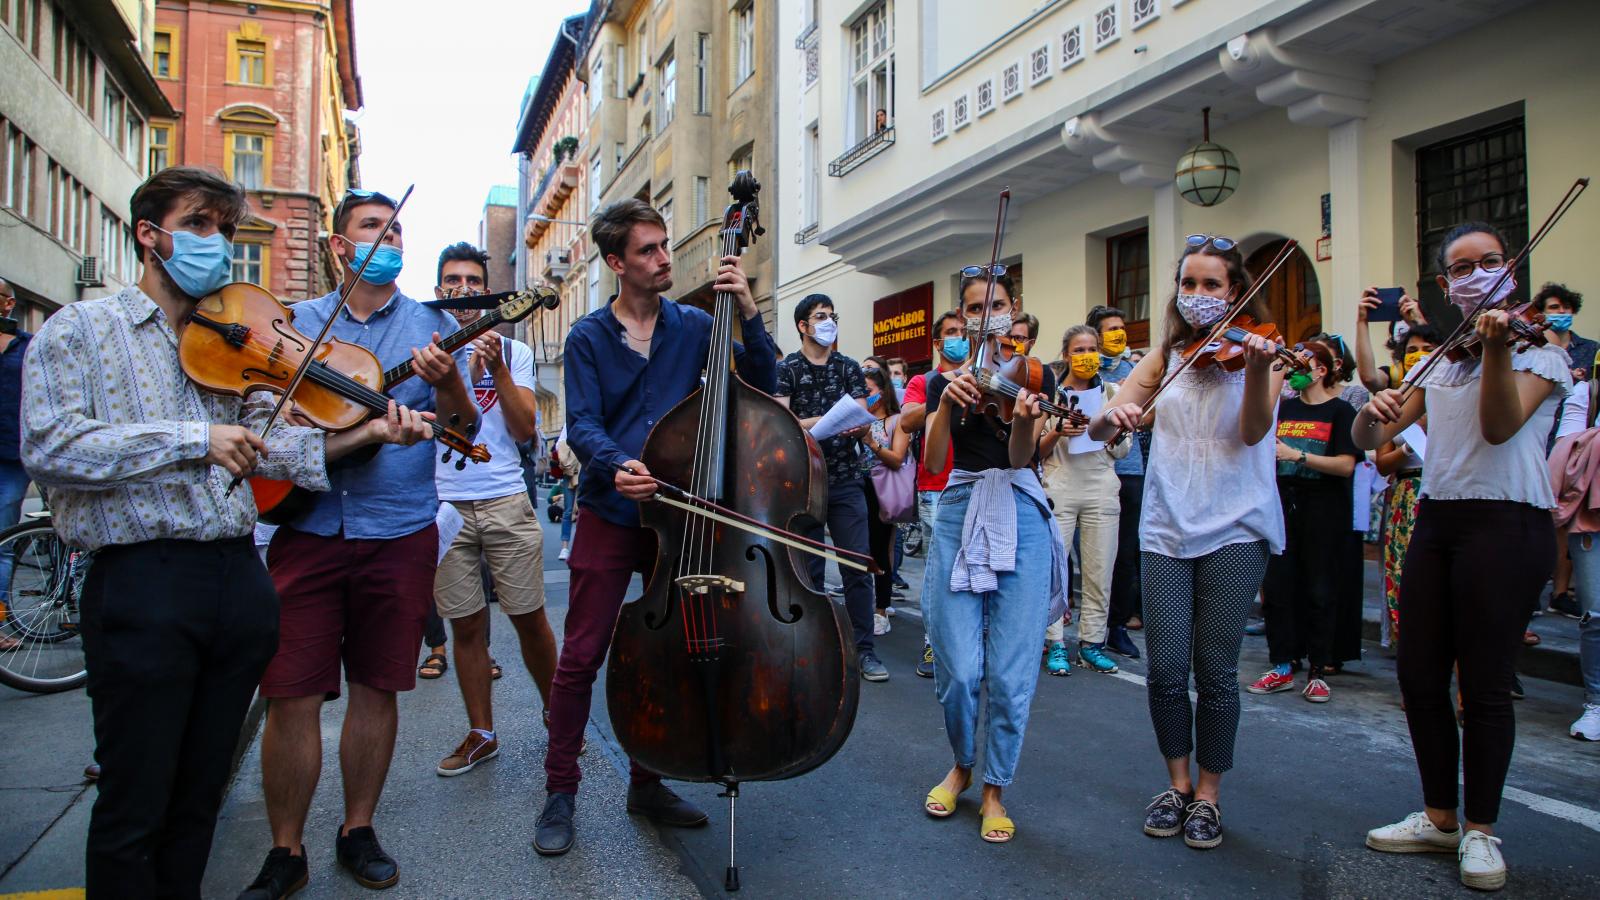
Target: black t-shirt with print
(813, 390)
(1323, 429)
(980, 442)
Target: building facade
(1362, 130)
(76, 93)
(260, 91)
(497, 234)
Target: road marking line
(1560, 809)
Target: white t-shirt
(1574, 412)
(501, 476)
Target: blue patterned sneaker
(1093, 656)
(1056, 659)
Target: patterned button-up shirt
(118, 435)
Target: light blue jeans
(13, 488)
(1585, 552)
(1004, 656)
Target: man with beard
(179, 617)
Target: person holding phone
(1410, 315)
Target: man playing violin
(179, 618)
(627, 365)
(355, 573)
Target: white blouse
(1205, 489)
(1461, 465)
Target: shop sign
(900, 325)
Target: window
(19, 172)
(249, 55)
(248, 159)
(110, 243)
(743, 161)
(68, 208)
(74, 62)
(1128, 282)
(1480, 176)
(871, 73)
(164, 53)
(744, 42)
(664, 206)
(250, 262)
(133, 138)
(622, 72)
(113, 116)
(594, 286)
(596, 82)
(667, 81)
(594, 184)
(22, 17)
(813, 175)
(702, 74)
(643, 45)
(160, 147)
(702, 200)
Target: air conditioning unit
(557, 263)
(89, 273)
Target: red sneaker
(1317, 691)
(1272, 683)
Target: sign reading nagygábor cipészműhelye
(900, 325)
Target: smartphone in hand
(1388, 308)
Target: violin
(279, 502)
(241, 340)
(1526, 326)
(1002, 382)
(1227, 350)
(733, 667)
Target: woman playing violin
(1211, 517)
(1483, 546)
(986, 603)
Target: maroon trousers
(604, 557)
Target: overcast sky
(443, 83)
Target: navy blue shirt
(11, 397)
(615, 396)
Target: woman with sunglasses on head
(990, 585)
(1316, 457)
(1482, 549)
(1211, 518)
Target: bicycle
(41, 650)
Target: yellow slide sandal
(1002, 824)
(940, 796)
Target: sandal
(434, 665)
(494, 671)
(1001, 824)
(1529, 639)
(944, 797)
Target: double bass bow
(732, 667)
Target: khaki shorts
(506, 532)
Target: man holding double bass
(179, 617)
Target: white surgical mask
(827, 332)
(1201, 310)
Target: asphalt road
(1310, 780)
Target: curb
(1535, 662)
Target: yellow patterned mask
(1115, 341)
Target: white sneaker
(1587, 727)
(1415, 833)
(1482, 866)
(563, 554)
(880, 624)
(890, 612)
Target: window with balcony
(667, 88)
(744, 42)
(871, 74)
(1128, 282)
(160, 147)
(164, 52)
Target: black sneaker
(660, 804)
(925, 667)
(552, 833)
(359, 852)
(280, 876)
(1202, 829)
(1566, 605)
(1165, 816)
(1118, 641)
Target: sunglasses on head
(1221, 243)
(975, 271)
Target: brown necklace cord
(310, 356)
(1466, 328)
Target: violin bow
(1217, 329)
(311, 354)
(1468, 323)
(982, 336)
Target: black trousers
(1301, 592)
(880, 539)
(176, 635)
(1473, 573)
(1125, 598)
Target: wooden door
(1293, 298)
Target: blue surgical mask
(955, 350)
(1561, 322)
(198, 265)
(898, 382)
(872, 399)
(385, 266)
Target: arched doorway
(1292, 297)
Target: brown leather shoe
(476, 747)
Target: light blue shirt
(391, 494)
(1115, 370)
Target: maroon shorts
(360, 602)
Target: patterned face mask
(1201, 310)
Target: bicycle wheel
(40, 650)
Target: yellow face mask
(1114, 341)
(1085, 365)
(1412, 358)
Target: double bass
(732, 667)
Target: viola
(1227, 350)
(278, 502)
(733, 667)
(241, 340)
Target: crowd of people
(1185, 494)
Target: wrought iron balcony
(875, 143)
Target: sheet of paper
(1416, 439)
(449, 521)
(1090, 402)
(845, 415)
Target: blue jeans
(13, 487)
(1004, 657)
(1585, 552)
(847, 528)
(927, 507)
(567, 518)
